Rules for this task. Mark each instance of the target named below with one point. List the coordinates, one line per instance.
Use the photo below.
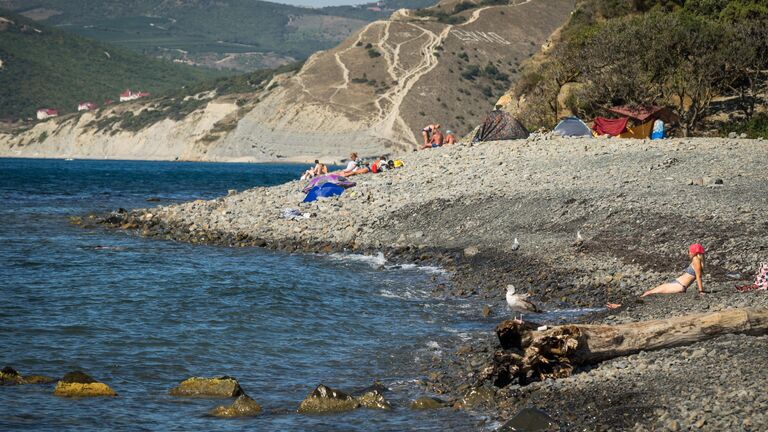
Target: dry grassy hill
(372, 93)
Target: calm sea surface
(142, 315)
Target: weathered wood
(530, 355)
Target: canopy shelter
(645, 113)
(572, 127)
(500, 125)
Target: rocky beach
(636, 205)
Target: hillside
(46, 67)
(707, 60)
(232, 34)
(371, 94)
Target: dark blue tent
(323, 191)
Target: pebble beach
(635, 206)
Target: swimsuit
(688, 270)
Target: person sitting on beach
(354, 167)
(435, 141)
(692, 273)
(427, 133)
(318, 169)
(449, 138)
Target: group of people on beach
(355, 166)
(433, 137)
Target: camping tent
(326, 190)
(643, 117)
(500, 125)
(572, 127)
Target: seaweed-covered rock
(208, 387)
(324, 399)
(80, 384)
(373, 397)
(10, 376)
(243, 406)
(530, 420)
(426, 402)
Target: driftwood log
(529, 355)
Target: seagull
(579, 239)
(515, 245)
(520, 302)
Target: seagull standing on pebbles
(520, 302)
(515, 245)
(579, 239)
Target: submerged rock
(10, 376)
(243, 406)
(80, 384)
(426, 402)
(477, 396)
(530, 420)
(324, 399)
(223, 386)
(373, 397)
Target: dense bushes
(657, 52)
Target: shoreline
(460, 207)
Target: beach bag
(375, 167)
(761, 280)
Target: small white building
(129, 95)
(86, 106)
(46, 113)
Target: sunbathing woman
(692, 273)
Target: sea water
(143, 314)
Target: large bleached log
(528, 354)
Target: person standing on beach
(427, 133)
(692, 273)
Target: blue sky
(321, 3)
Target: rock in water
(243, 406)
(325, 399)
(373, 397)
(80, 384)
(426, 402)
(223, 386)
(530, 420)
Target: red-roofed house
(128, 95)
(86, 106)
(46, 113)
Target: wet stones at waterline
(80, 384)
(373, 397)
(243, 406)
(10, 376)
(530, 420)
(223, 386)
(324, 399)
(426, 402)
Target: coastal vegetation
(702, 57)
(44, 67)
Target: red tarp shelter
(612, 127)
(643, 113)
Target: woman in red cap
(691, 273)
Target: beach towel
(336, 179)
(612, 127)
